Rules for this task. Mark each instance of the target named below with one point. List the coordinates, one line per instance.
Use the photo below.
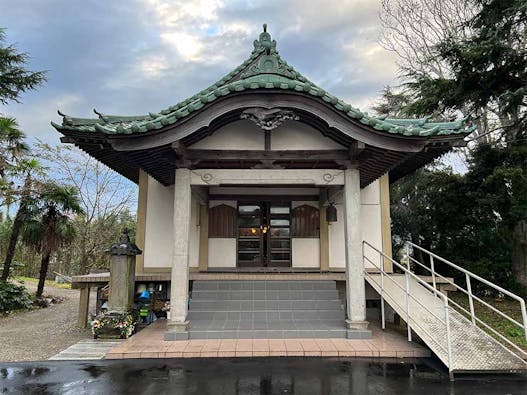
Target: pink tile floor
(149, 343)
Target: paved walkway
(88, 349)
(149, 343)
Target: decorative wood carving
(269, 119)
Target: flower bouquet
(114, 325)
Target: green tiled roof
(264, 69)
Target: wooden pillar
(203, 237)
(384, 186)
(324, 233)
(140, 233)
(84, 304)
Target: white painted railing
(470, 278)
(447, 348)
(368, 250)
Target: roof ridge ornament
(269, 61)
(264, 42)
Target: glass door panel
(264, 234)
(250, 241)
(279, 240)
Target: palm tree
(28, 167)
(50, 224)
(12, 145)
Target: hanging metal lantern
(331, 213)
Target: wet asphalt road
(246, 376)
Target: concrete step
(262, 304)
(207, 285)
(267, 334)
(265, 309)
(267, 315)
(244, 329)
(325, 294)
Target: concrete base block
(357, 325)
(177, 331)
(172, 336)
(358, 330)
(358, 334)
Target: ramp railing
(470, 280)
(445, 346)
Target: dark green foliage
(469, 218)
(489, 68)
(479, 219)
(392, 103)
(13, 297)
(14, 77)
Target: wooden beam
(324, 233)
(260, 155)
(84, 303)
(384, 190)
(140, 233)
(203, 237)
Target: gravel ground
(39, 334)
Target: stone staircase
(265, 309)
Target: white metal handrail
(469, 275)
(446, 321)
(468, 292)
(402, 288)
(414, 324)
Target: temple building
(256, 196)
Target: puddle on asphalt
(248, 376)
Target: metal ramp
(455, 335)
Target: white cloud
(188, 46)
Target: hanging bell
(331, 213)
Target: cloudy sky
(136, 56)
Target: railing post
(409, 329)
(408, 256)
(470, 299)
(432, 268)
(383, 322)
(448, 342)
(524, 316)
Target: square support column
(177, 327)
(355, 287)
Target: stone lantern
(122, 274)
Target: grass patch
(49, 283)
(502, 325)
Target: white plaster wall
(337, 254)
(293, 135)
(241, 135)
(159, 225)
(371, 194)
(305, 252)
(370, 222)
(222, 252)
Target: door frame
(265, 238)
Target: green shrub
(13, 297)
